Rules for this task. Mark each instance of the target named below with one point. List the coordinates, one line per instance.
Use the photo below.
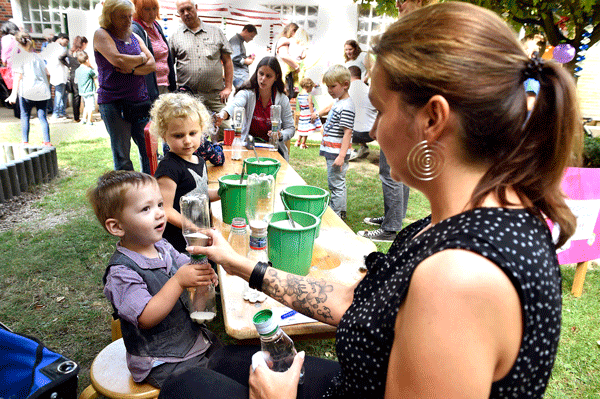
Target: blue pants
(59, 100)
(336, 180)
(26, 108)
(395, 197)
(121, 132)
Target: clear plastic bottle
(258, 241)
(196, 220)
(204, 302)
(238, 124)
(277, 347)
(238, 236)
(236, 146)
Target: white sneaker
(353, 155)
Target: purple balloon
(564, 53)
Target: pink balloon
(564, 53)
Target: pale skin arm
(325, 110)
(167, 189)
(284, 53)
(319, 299)
(15, 89)
(125, 63)
(228, 69)
(458, 330)
(162, 303)
(339, 161)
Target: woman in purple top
(123, 60)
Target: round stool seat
(111, 377)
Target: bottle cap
(238, 223)
(258, 227)
(265, 322)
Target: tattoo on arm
(305, 294)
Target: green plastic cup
(268, 166)
(233, 197)
(291, 249)
(311, 199)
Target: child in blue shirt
(85, 77)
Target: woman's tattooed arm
(319, 299)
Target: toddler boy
(146, 280)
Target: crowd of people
(459, 307)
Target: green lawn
(50, 273)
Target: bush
(591, 152)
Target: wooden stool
(111, 377)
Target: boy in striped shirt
(337, 136)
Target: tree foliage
(562, 21)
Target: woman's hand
(12, 98)
(220, 117)
(220, 252)
(267, 384)
(270, 134)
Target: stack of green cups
(310, 199)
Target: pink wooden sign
(582, 187)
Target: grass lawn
(51, 265)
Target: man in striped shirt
(337, 136)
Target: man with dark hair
(239, 57)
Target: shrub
(591, 152)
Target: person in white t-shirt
(365, 113)
(31, 84)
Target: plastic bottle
(277, 347)
(236, 146)
(196, 220)
(258, 241)
(238, 236)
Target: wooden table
(338, 254)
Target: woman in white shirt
(31, 83)
(353, 55)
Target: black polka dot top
(519, 243)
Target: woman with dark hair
(69, 59)
(289, 66)
(263, 89)
(353, 55)
(467, 301)
(123, 62)
(145, 26)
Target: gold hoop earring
(425, 161)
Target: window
(42, 14)
(370, 25)
(304, 16)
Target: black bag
(30, 370)
(135, 111)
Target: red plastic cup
(229, 134)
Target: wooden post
(579, 278)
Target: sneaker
(378, 235)
(343, 215)
(362, 152)
(47, 144)
(374, 221)
(353, 155)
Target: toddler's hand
(193, 275)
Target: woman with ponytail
(467, 302)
